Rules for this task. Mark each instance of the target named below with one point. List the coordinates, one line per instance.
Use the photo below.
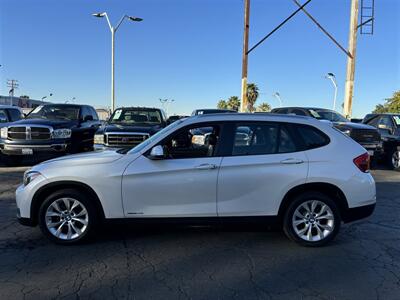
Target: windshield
(55, 112)
(134, 116)
(397, 120)
(145, 143)
(329, 115)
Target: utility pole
(351, 62)
(12, 84)
(243, 107)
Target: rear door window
(253, 139)
(262, 138)
(286, 143)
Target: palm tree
(222, 104)
(264, 107)
(233, 103)
(252, 95)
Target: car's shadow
(132, 230)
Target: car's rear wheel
(312, 219)
(67, 217)
(394, 160)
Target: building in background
(103, 113)
(23, 101)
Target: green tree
(222, 104)
(252, 95)
(233, 103)
(391, 105)
(264, 107)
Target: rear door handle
(292, 161)
(206, 167)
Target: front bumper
(25, 221)
(357, 213)
(13, 149)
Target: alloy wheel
(67, 218)
(313, 221)
(396, 159)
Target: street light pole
(332, 78)
(113, 31)
(112, 68)
(278, 96)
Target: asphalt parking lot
(203, 263)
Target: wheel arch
(325, 188)
(52, 187)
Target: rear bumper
(357, 213)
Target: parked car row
(55, 129)
(50, 129)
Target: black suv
(367, 136)
(50, 129)
(389, 128)
(129, 126)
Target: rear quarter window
(311, 137)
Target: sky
(191, 50)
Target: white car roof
(255, 117)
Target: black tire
(92, 216)
(394, 155)
(288, 226)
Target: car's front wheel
(394, 160)
(312, 219)
(67, 217)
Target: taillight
(362, 162)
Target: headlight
(29, 176)
(99, 138)
(3, 134)
(61, 133)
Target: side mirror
(157, 152)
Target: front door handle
(292, 161)
(206, 167)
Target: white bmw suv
(296, 171)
